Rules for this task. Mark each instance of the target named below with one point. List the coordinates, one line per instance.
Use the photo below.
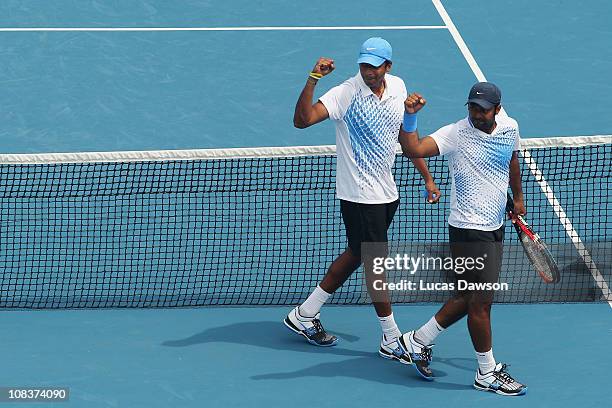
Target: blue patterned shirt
(479, 165)
(367, 130)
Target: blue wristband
(410, 122)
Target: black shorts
(366, 222)
(484, 247)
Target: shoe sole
(499, 392)
(295, 330)
(405, 347)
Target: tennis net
(260, 226)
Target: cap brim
(484, 103)
(370, 59)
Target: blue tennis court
(129, 304)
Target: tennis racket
(538, 253)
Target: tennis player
(482, 157)
(367, 111)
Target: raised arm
(412, 146)
(306, 113)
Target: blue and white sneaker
(391, 349)
(309, 327)
(419, 354)
(499, 381)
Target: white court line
(459, 40)
(565, 221)
(271, 28)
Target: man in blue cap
(483, 161)
(367, 111)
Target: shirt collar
(367, 91)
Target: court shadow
(370, 368)
(363, 365)
(267, 334)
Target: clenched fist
(414, 102)
(324, 66)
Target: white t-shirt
(479, 165)
(367, 130)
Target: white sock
(486, 362)
(389, 327)
(428, 332)
(313, 304)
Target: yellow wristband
(315, 75)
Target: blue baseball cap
(485, 94)
(375, 51)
